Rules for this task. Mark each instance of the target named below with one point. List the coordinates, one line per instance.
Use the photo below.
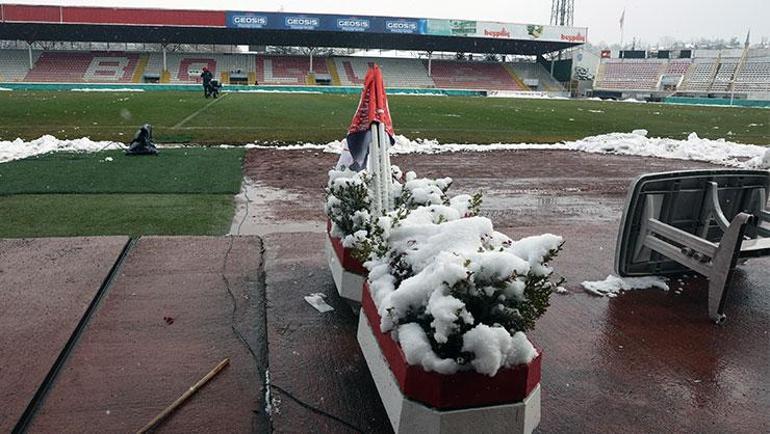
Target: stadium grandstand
(121, 46)
(185, 68)
(53, 44)
(735, 73)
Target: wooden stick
(190, 392)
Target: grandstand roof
(64, 23)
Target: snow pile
(106, 89)
(304, 92)
(18, 149)
(758, 162)
(613, 285)
(428, 93)
(524, 95)
(636, 143)
(422, 191)
(694, 148)
(456, 294)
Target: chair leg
(723, 264)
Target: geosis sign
(301, 22)
(402, 26)
(353, 24)
(247, 21)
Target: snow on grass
(523, 95)
(106, 89)
(636, 143)
(18, 149)
(613, 285)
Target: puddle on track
(262, 209)
(536, 208)
(255, 211)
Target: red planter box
(345, 256)
(463, 389)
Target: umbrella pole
(385, 167)
(375, 172)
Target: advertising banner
(300, 22)
(353, 24)
(411, 26)
(406, 26)
(530, 32)
(246, 20)
(450, 27)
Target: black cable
(237, 333)
(315, 409)
(246, 343)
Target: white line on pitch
(197, 112)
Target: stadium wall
(717, 101)
(133, 87)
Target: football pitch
(238, 118)
(190, 191)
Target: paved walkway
(176, 307)
(645, 361)
(46, 287)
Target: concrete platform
(46, 285)
(164, 323)
(645, 361)
(314, 356)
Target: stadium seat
(631, 74)
(395, 72)
(473, 75)
(79, 67)
(535, 71)
(14, 64)
(287, 70)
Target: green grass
(53, 215)
(189, 191)
(283, 118)
(190, 170)
(179, 192)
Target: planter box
(420, 401)
(348, 273)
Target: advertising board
(411, 26)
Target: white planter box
(349, 285)
(407, 416)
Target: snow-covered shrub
(455, 293)
(422, 191)
(417, 192)
(348, 205)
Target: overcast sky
(646, 19)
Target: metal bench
(701, 220)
